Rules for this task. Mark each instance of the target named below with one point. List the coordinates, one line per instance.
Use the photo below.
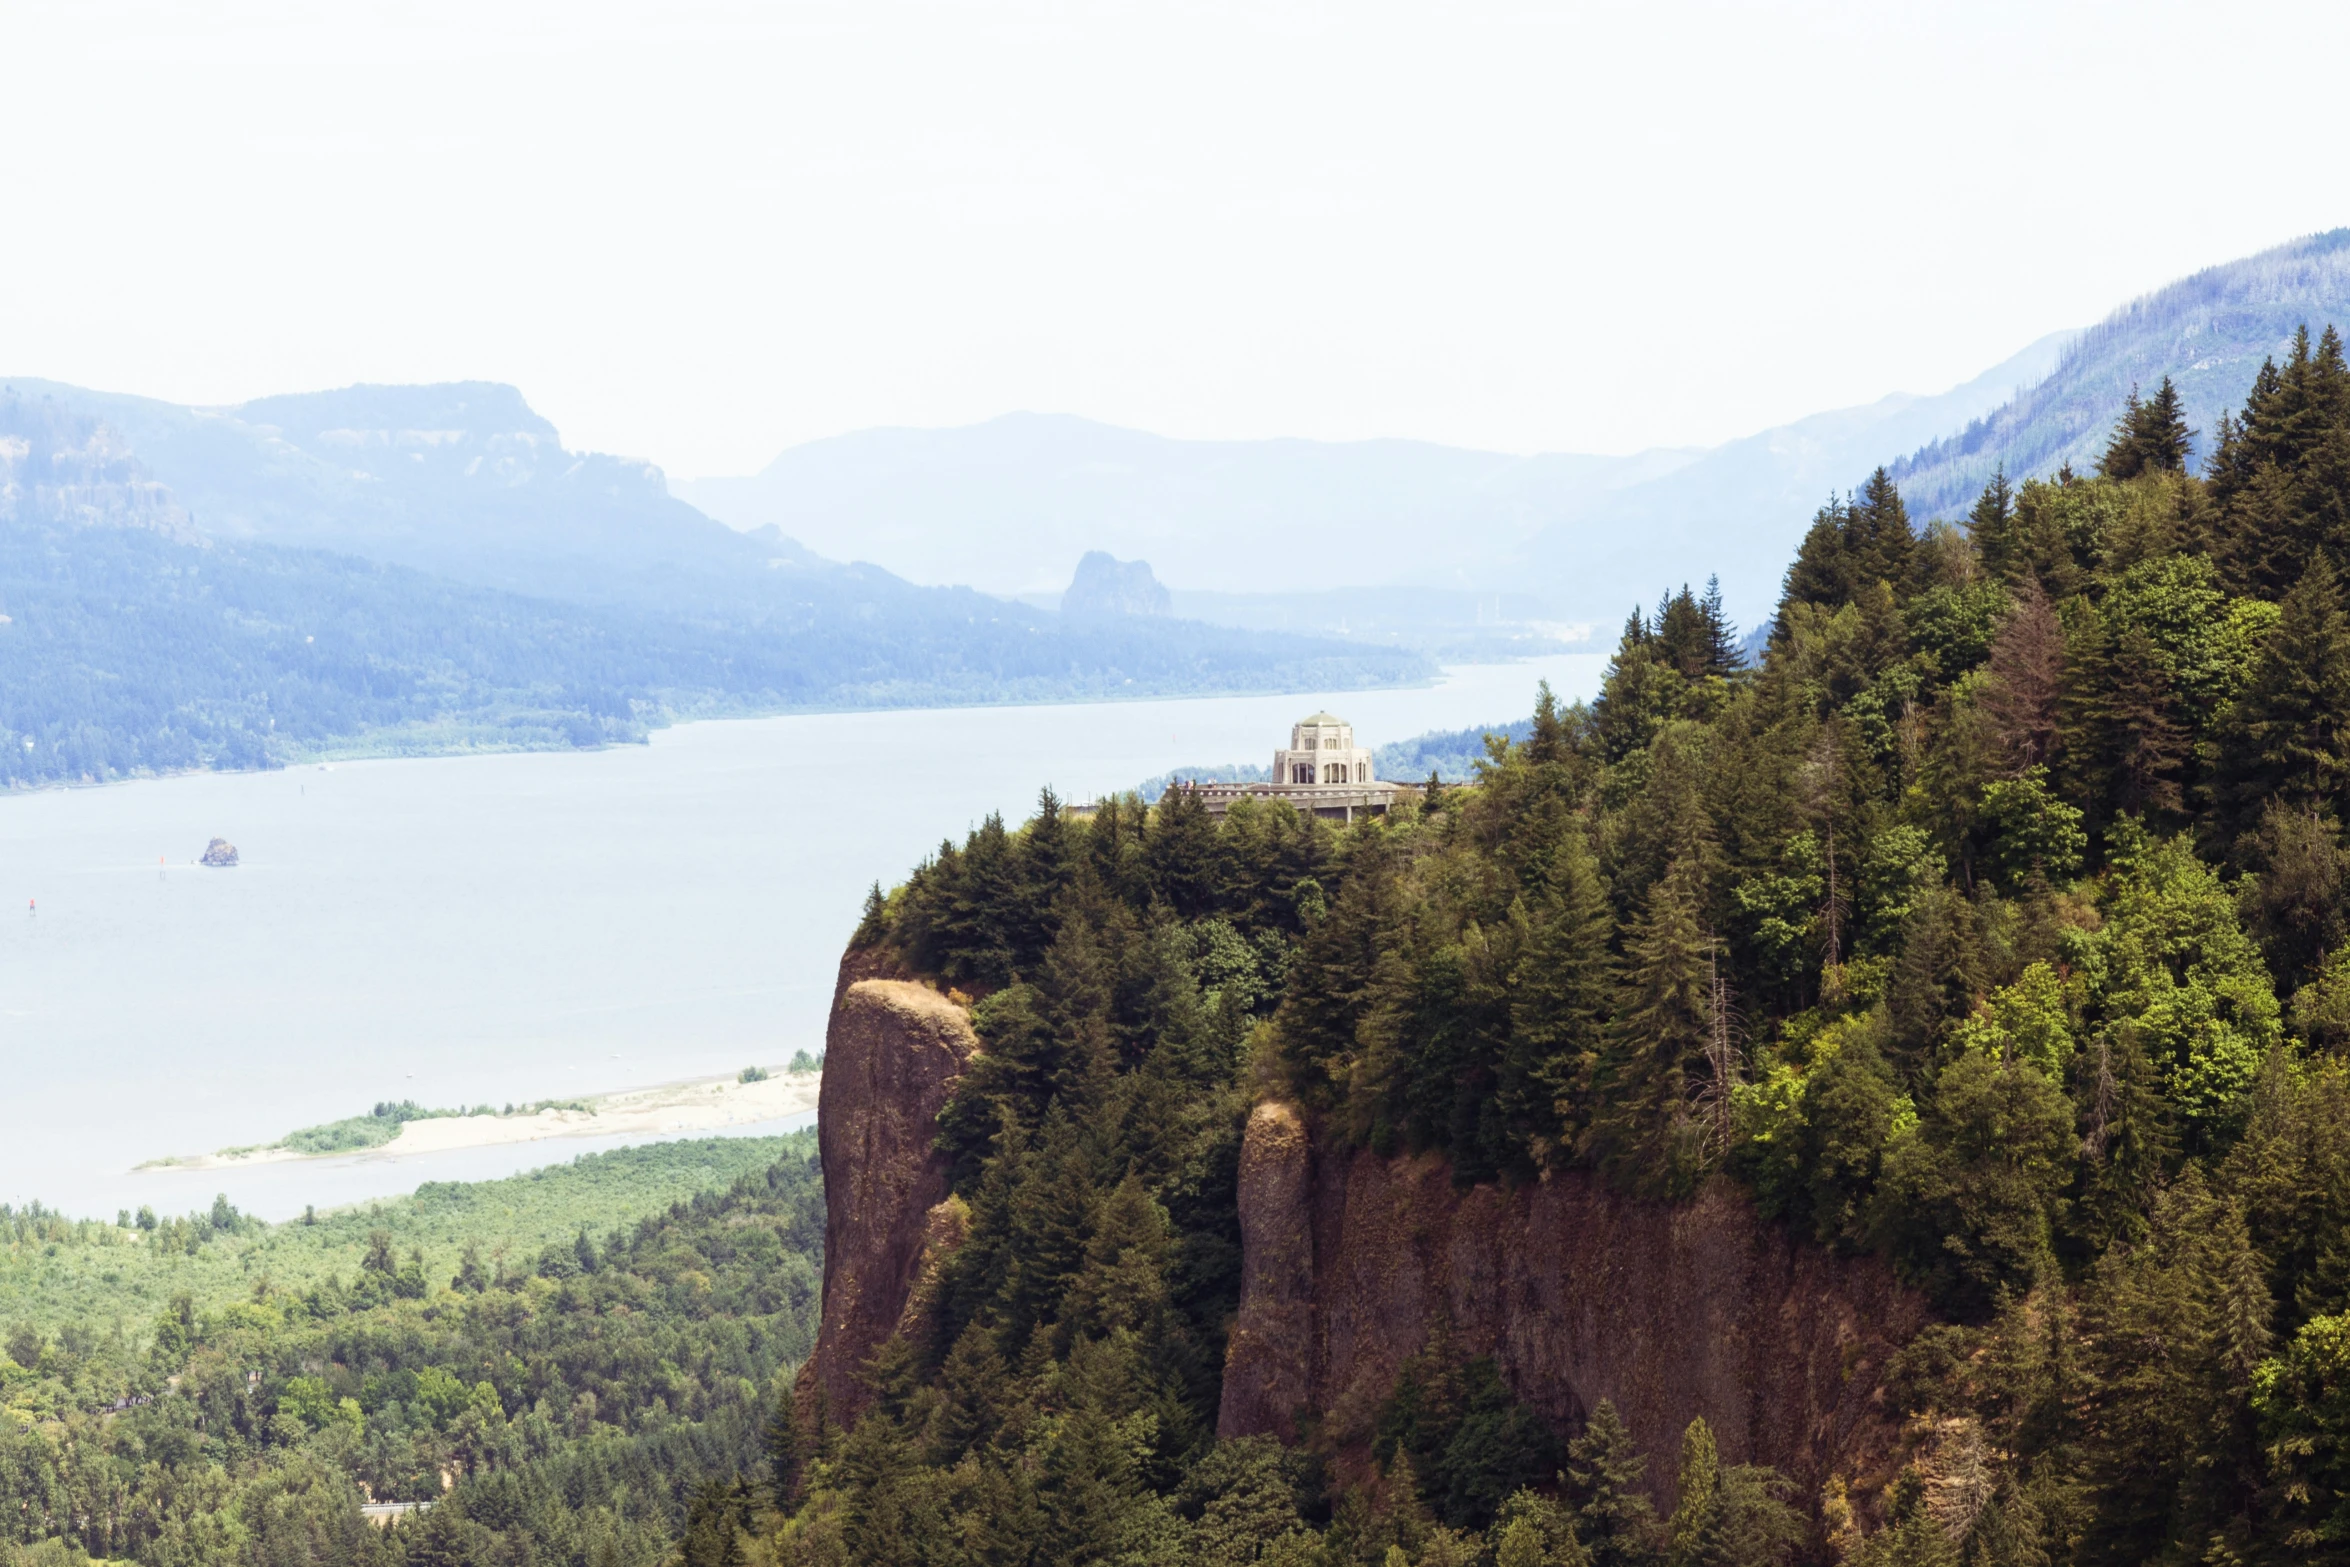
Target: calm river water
(512, 927)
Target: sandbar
(705, 1104)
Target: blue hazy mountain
(1740, 509)
(1008, 505)
(463, 480)
(2208, 333)
(427, 568)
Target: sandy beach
(700, 1105)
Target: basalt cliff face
(1350, 1261)
(1578, 1294)
(892, 1052)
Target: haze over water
(514, 927)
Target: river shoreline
(703, 1104)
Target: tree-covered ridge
(2210, 331)
(1992, 922)
(556, 1403)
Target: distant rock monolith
(220, 852)
(1106, 586)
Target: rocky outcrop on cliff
(1578, 1294)
(892, 1053)
(1349, 1260)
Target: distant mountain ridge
(1008, 504)
(427, 568)
(1740, 509)
(462, 479)
(2208, 333)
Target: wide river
(513, 927)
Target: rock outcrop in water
(1350, 1259)
(219, 852)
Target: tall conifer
(1723, 656)
(1561, 988)
(1603, 1485)
(1644, 1135)
(2288, 737)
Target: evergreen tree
(1561, 989)
(717, 1520)
(2128, 1143)
(1181, 849)
(2150, 437)
(1639, 693)
(2288, 738)
(2277, 485)
(2298, 900)
(1881, 542)
(1534, 1530)
(2122, 459)
(1602, 1484)
(2163, 438)
(1822, 571)
(1685, 636)
(1991, 525)
(1970, 1195)
(1937, 978)
(1644, 1135)
(1548, 743)
(2134, 747)
(1693, 1535)
(1044, 869)
(1722, 654)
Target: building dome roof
(1322, 718)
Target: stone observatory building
(1322, 750)
(1321, 771)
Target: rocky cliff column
(892, 1054)
(1578, 1293)
(1270, 1359)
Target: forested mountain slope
(2208, 333)
(1737, 511)
(1991, 930)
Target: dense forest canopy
(556, 1401)
(1992, 923)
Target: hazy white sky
(699, 232)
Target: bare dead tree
(2026, 683)
(1820, 785)
(1725, 1056)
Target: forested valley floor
(554, 1361)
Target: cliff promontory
(1351, 1261)
(892, 1052)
